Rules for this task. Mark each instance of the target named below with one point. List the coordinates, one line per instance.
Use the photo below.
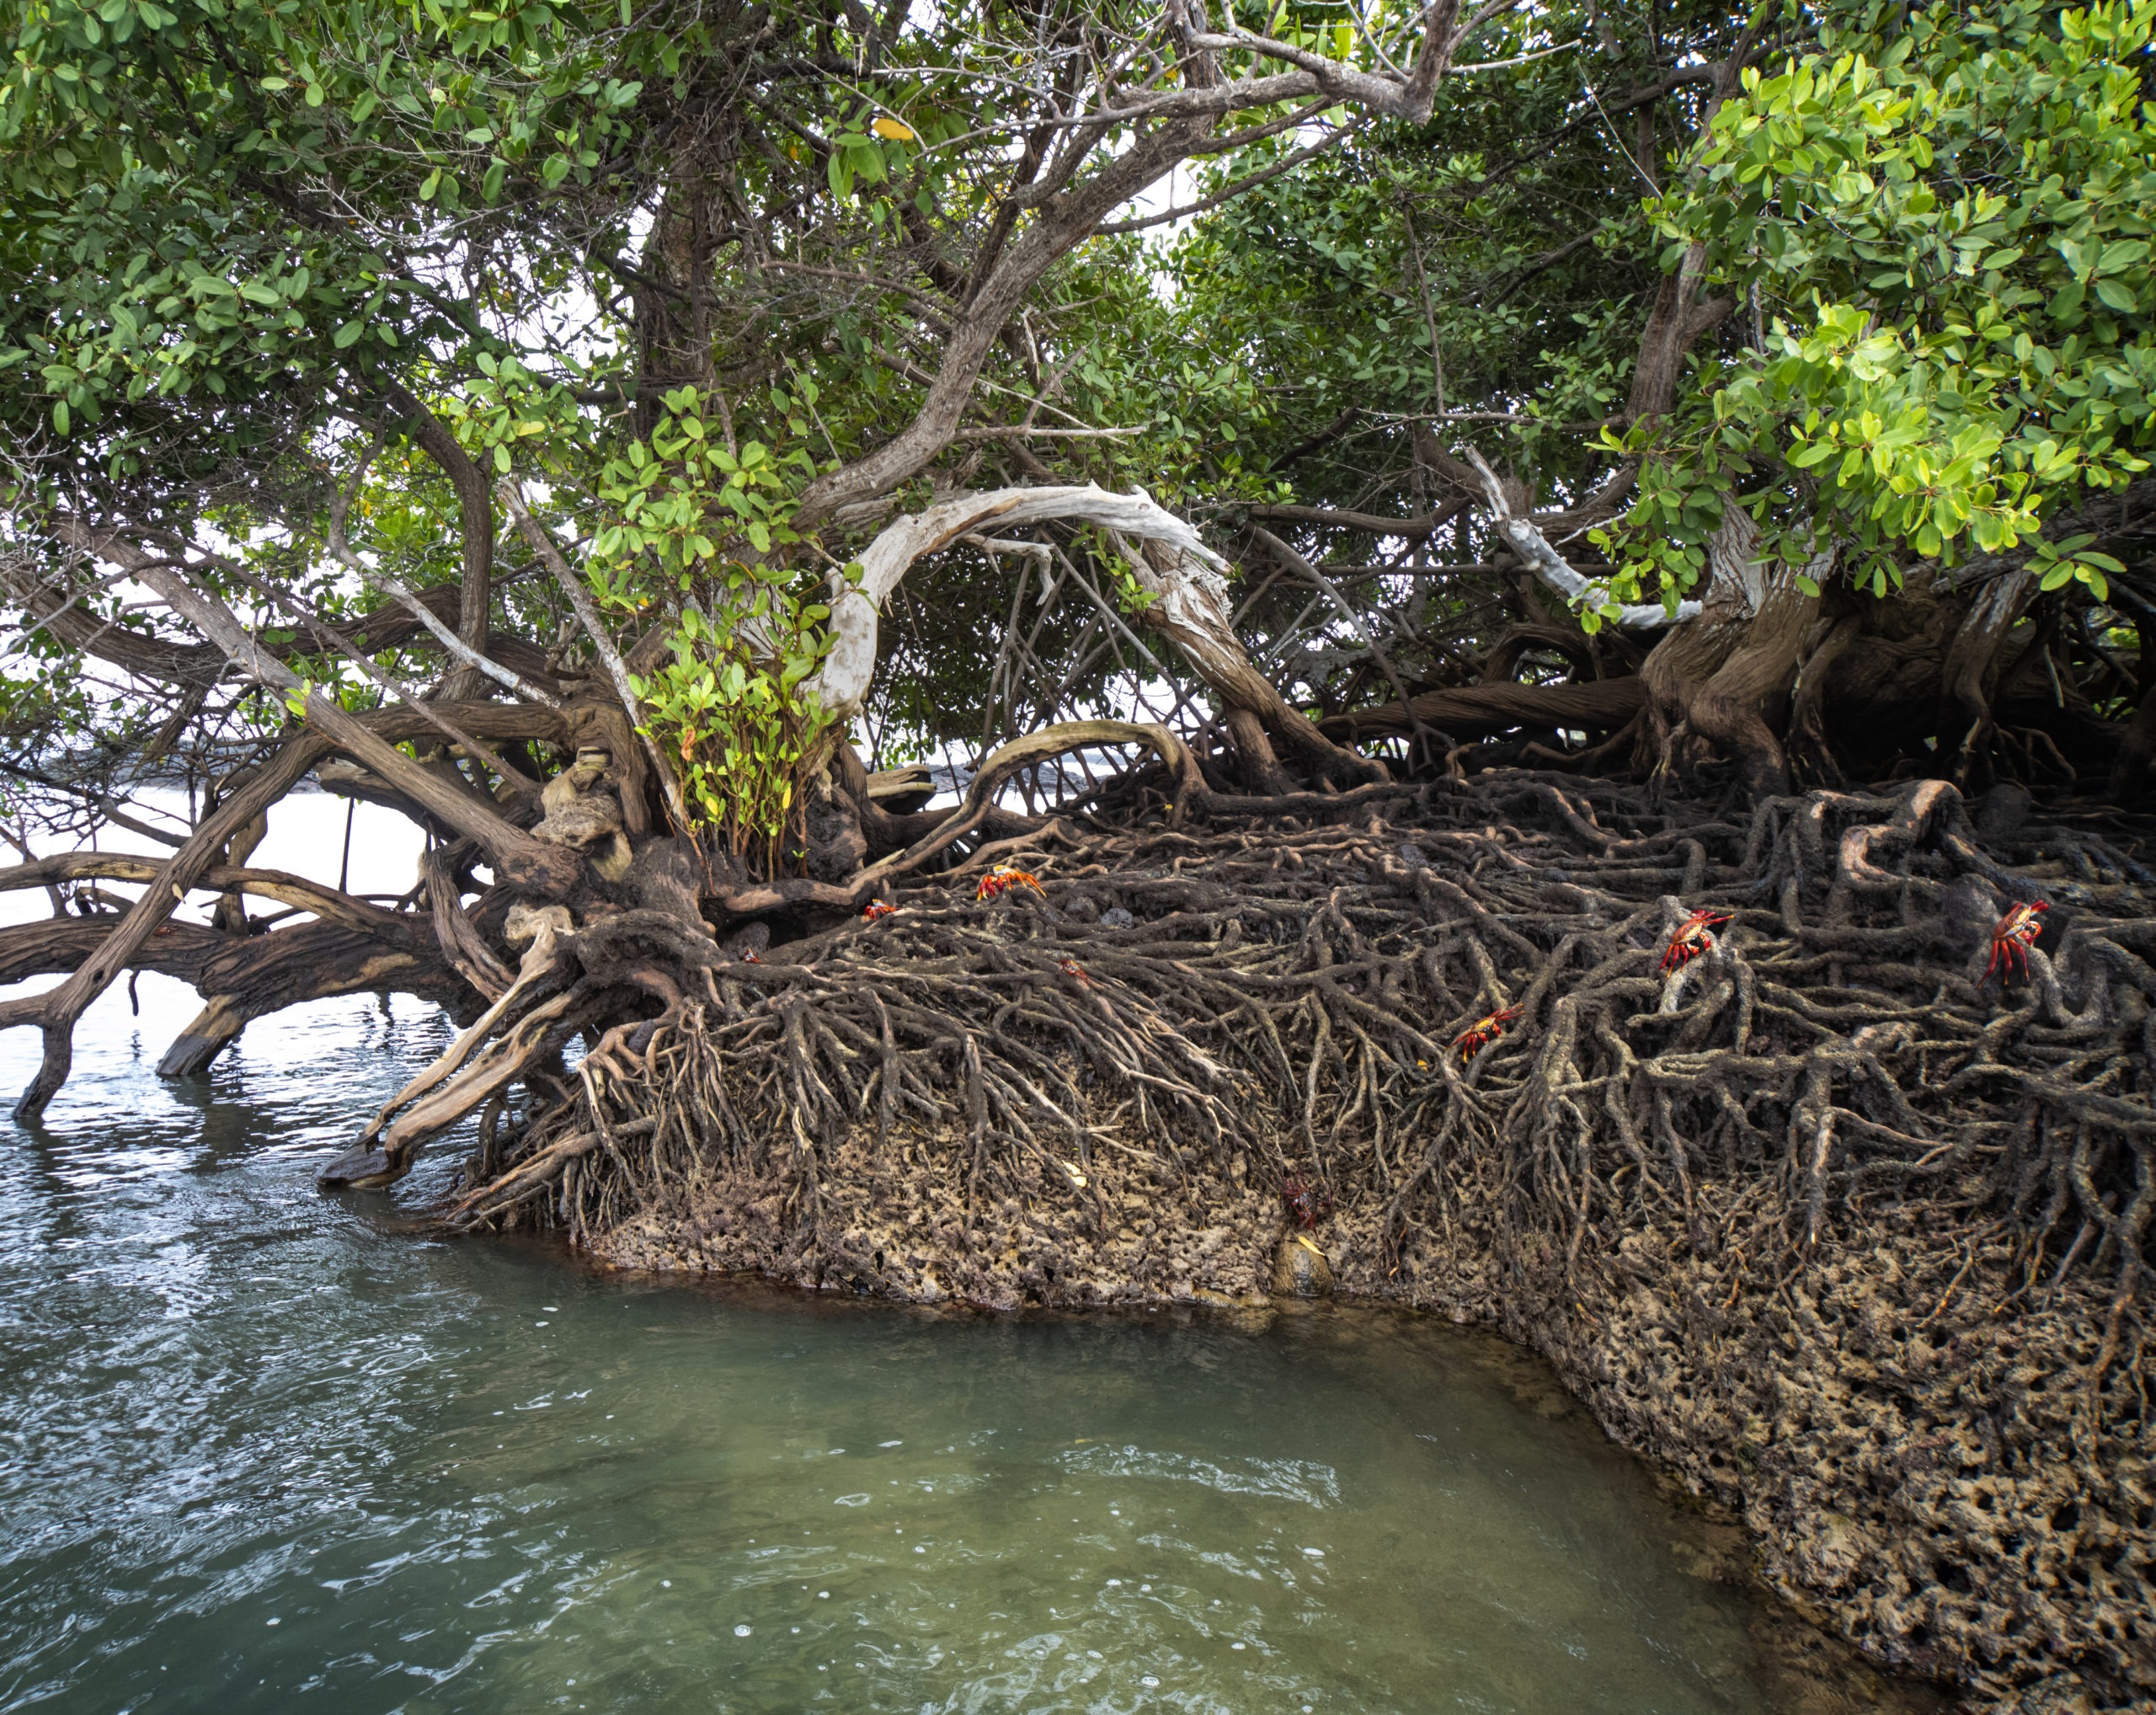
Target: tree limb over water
(663, 452)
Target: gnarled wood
(252, 977)
(56, 945)
(1174, 566)
(55, 1013)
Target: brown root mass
(1851, 1235)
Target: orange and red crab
(876, 908)
(1002, 879)
(1482, 1032)
(1071, 967)
(1306, 1203)
(1696, 935)
(750, 956)
(2016, 933)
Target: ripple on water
(1281, 1479)
(255, 1441)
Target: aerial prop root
(1290, 993)
(472, 1070)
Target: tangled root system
(1850, 1230)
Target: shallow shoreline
(1901, 1458)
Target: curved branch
(294, 890)
(1185, 578)
(1023, 753)
(842, 684)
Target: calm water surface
(262, 1449)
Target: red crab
(1002, 879)
(1482, 1032)
(2015, 936)
(876, 908)
(1071, 967)
(1306, 1203)
(1694, 936)
(750, 956)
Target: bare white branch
(1533, 547)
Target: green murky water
(266, 1449)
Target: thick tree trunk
(264, 973)
(1811, 754)
(1722, 683)
(1247, 732)
(1971, 674)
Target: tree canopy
(1526, 610)
(423, 394)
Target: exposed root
(449, 1089)
(1930, 1192)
